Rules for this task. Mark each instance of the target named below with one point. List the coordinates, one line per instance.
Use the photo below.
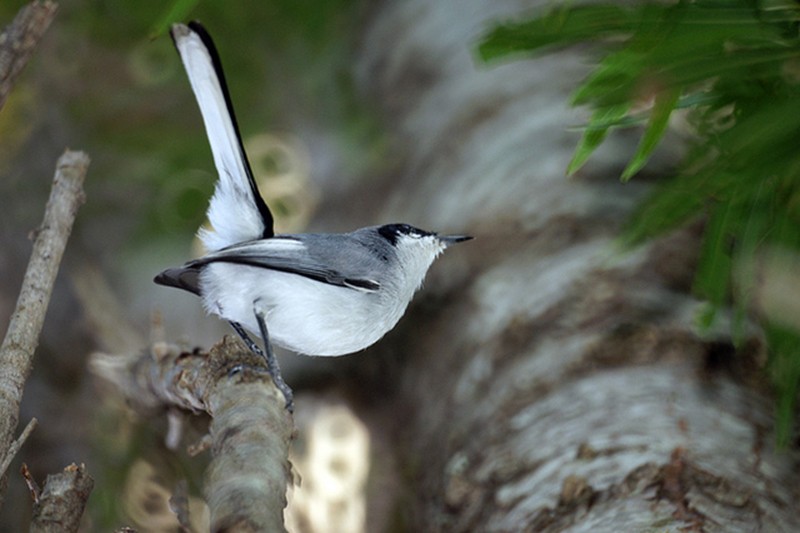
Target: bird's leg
(272, 363)
(250, 343)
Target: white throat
(415, 256)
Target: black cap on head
(391, 232)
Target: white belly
(302, 315)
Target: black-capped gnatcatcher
(321, 294)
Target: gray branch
(60, 505)
(22, 337)
(15, 446)
(18, 41)
(250, 431)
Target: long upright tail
(237, 212)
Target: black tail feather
(186, 278)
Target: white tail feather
(233, 211)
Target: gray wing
(333, 259)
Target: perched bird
(316, 293)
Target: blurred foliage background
(728, 73)
(125, 95)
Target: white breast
(302, 315)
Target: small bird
(315, 293)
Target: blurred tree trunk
(548, 380)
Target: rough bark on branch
(60, 505)
(18, 41)
(22, 337)
(250, 430)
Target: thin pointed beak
(452, 239)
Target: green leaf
(673, 203)
(706, 316)
(785, 367)
(665, 102)
(714, 269)
(559, 27)
(594, 134)
(757, 218)
(612, 82)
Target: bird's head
(416, 248)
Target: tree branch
(22, 337)
(250, 430)
(15, 446)
(18, 41)
(60, 505)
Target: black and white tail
(236, 212)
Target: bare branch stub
(62, 500)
